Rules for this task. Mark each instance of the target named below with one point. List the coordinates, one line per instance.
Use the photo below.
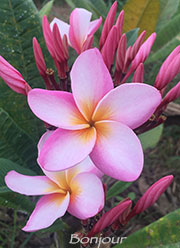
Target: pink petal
(94, 25)
(47, 210)
(43, 139)
(79, 26)
(90, 81)
(31, 185)
(56, 108)
(87, 197)
(66, 148)
(63, 27)
(117, 152)
(85, 166)
(131, 104)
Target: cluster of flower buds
(120, 215)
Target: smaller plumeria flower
(95, 120)
(13, 78)
(77, 190)
(79, 29)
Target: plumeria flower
(71, 190)
(79, 29)
(95, 120)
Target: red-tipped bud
(151, 195)
(110, 217)
(58, 44)
(172, 95)
(141, 56)
(144, 51)
(109, 48)
(137, 44)
(121, 53)
(119, 24)
(169, 69)
(108, 24)
(40, 63)
(139, 74)
(13, 78)
(48, 37)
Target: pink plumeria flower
(71, 190)
(80, 28)
(95, 120)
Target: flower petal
(87, 197)
(47, 210)
(85, 166)
(117, 152)
(66, 148)
(31, 185)
(131, 104)
(56, 108)
(63, 27)
(94, 25)
(90, 81)
(79, 26)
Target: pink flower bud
(109, 48)
(172, 95)
(88, 43)
(110, 217)
(121, 53)
(13, 78)
(161, 80)
(108, 24)
(141, 56)
(58, 44)
(66, 46)
(48, 37)
(139, 74)
(40, 63)
(119, 24)
(151, 195)
(137, 44)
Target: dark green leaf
(162, 233)
(150, 138)
(15, 144)
(117, 188)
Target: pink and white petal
(91, 80)
(79, 26)
(57, 108)
(43, 139)
(63, 27)
(87, 196)
(47, 210)
(94, 25)
(85, 166)
(131, 104)
(66, 148)
(117, 152)
(31, 185)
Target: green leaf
(162, 233)
(46, 9)
(142, 14)
(132, 36)
(150, 138)
(15, 144)
(167, 11)
(19, 23)
(117, 188)
(167, 39)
